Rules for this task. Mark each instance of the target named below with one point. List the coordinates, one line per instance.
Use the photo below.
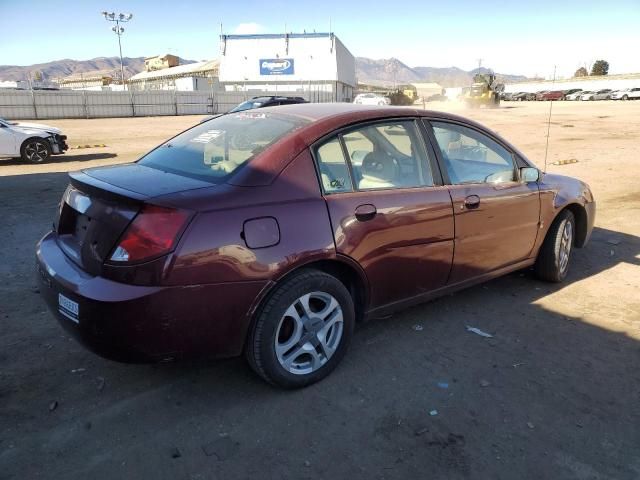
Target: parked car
(552, 95)
(271, 233)
(522, 96)
(33, 142)
(371, 99)
(540, 93)
(269, 101)
(259, 102)
(604, 94)
(576, 95)
(626, 94)
(571, 91)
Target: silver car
(604, 94)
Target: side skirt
(386, 310)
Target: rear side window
(388, 155)
(214, 150)
(471, 157)
(334, 171)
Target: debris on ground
(613, 241)
(53, 405)
(565, 162)
(307, 463)
(418, 328)
(175, 453)
(443, 385)
(78, 370)
(421, 431)
(485, 383)
(530, 425)
(477, 331)
(433, 413)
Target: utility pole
(118, 30)
(479, 64)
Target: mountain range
(388, 72)
(385, 72)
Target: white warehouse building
(316, 66)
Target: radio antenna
(546, 149)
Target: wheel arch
(582, 222)
(34, 137)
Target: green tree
(581, 72)
(601, 67)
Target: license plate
(68, 308)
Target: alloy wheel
(566, 242)
(36, 152)
(309, 333)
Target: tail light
(154, 232)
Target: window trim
(338, 133)
(518, 162)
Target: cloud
(248, 28)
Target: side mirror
(529, 174)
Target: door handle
(471, 202)
(365, 212)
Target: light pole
(118, 30)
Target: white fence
(42, 104)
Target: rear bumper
(132, 323)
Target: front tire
(302, 331)
(552, 263)
(35, 150)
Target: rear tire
(35, 150)
(302, 331)
(553, 259)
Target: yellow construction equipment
(484, 91)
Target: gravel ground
(554, 394)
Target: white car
(33, 142)
(371, 99)
(575, 95)
(626, 94)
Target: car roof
(323, 119)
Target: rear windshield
(212, 151)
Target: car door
(388, 211)
(496, 215)
(7, 140)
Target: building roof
(276, 36)
(87, 76)
(161, 56)
(188, 70)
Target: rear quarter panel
(213, 248)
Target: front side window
(388, 155)
(215, 149)
(472, 157)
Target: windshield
(214, 150)
(248, 105)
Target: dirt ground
(555, 394)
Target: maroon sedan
(273, 232)
(552, 95)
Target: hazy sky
(511, 37)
